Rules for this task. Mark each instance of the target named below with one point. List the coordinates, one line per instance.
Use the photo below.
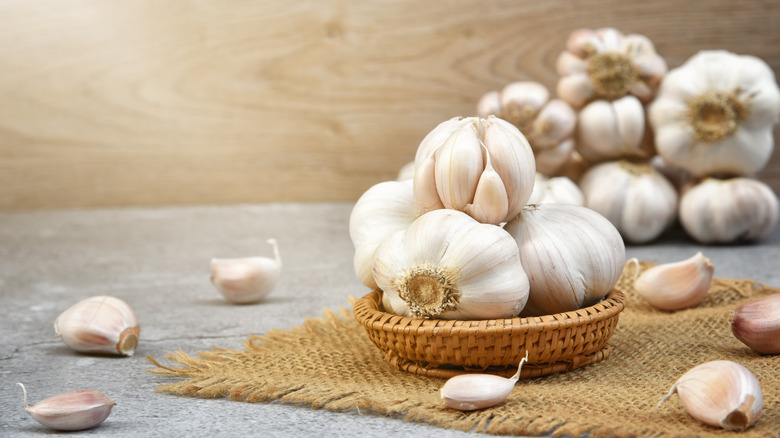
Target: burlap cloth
(330, 363)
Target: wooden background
(131, 102)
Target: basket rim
(368, 311)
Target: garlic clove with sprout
(446, 265)
(382, 210)
(75, 410)
(612, 130)
(756, 324)
(247, 279)
(730, 210)
(99, 324)
(558, 189)
(566, 270)
(469, 392)
(720, 393)
(675, 286)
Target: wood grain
(204, 102)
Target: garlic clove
(720, 393)
(676, 286)
(489, 104)
(559, 189)
(424, 185)
(99, 324)
(459, 165)
(468, 392)
(757, 324)
(576, 89)
(552, 161)
(611, 130)
(76, 410)
(491, 202)
(248, 279)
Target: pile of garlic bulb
(456, 238)
(650, 145)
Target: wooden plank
(145, 102)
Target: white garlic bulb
(447, 265)
(730, 210)
(75, 410)
(635, 197)
(612, 130)
(99, 324)
(382, 210)
(720, 393)
(247, 279)
(558, 189)
(606, 64)
(714, 114)
(483, 167)
(572, 255)
(547, 124)
(678, 285)
(468, 392)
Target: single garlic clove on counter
(757, 324)
(76, 410)
(99, 324)
(675, 286)
(468, 392)
(720, 393)
(249, 279)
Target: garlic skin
(731, 210)
(75, 410)
(676, 286)
(612, 130)
(639, 201)
(99, 324)
(566, 269)
(720, 393)
(558, 189)
(483, 167)
(606, 64)
(547, 124)
(247, 279)
(382, 210)
(715, 113)
(446, 265)
(756, 324)
(469, 392)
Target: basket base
(529, 369)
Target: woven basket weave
(444, 348)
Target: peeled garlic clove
(675, 286)
(468, 392)
(249, 279)
(76, 410)
(720, 393)
(757, 324)
(99, 324)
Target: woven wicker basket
(444, 348)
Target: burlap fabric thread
(330, 363)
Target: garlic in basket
(382, 210)
(678, 285)
(99, 324)
(247, 279)
(572, 255)
(447, 265)
(484, 167)
(714, 114)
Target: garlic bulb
(723, 211)
(547, 124)
(606, 64)
(558, 189)
(406, 172)
(468, 392)
(247, 279)
(675, 286)
(757, 324)
(612, 130)
(714, 114)
(447, 265)
(382, 210)
(635, 197)
(75, 410)
(99, 324)
(483, 167)
(720, 393)
(572, 255)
